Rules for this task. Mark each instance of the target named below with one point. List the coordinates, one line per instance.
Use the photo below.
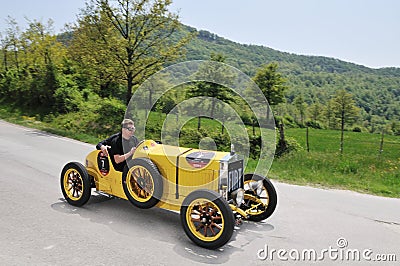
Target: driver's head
(128, 128)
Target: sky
(365, 32)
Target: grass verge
(360, 168)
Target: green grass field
(361, 167)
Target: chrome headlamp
(256, 186)
(238, 196)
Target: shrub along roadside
(88, 124)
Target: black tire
(209, 226)
(268, 198)
(142, 183)
(75, 184)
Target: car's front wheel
(260, 197)
(207, 219)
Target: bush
(314, 124)
(110, 113)
(67, 100)
(222, 141)
(246, 119)
(255, 146)
(167, 105)
(287, 120)
(191, 137)
(290, 145)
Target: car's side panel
(110, 182)
(182, 169)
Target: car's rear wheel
(260, 197)
(142, 183)
(75, 184)
(207, 219)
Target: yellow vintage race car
(208, 188)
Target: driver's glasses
(131, 129)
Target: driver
(115, 145)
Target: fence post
(381, 145)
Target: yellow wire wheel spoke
(140, 183)
(257, 202)
(204, 220)
(207, 218)
(75, 184)
(260, 198)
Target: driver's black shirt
(117, 144)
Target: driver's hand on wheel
(133, 151)
(104, 148)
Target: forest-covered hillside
(100, 60)
(376, 91)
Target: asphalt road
(37, 227)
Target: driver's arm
(120, 158)
(106, 144)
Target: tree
(3, 47)
(213, 90)
(96, 64)
(40, 46)
(136, 35)
(271, 83)
(301, 107)
(11, 44)
(42, 56)
(345, 110)
(315, 111)
(31, 60)
(154, 86)
(329, 114)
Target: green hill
(315, 78)
(376, 91)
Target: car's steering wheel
(140, 143)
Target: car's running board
(101, 193)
